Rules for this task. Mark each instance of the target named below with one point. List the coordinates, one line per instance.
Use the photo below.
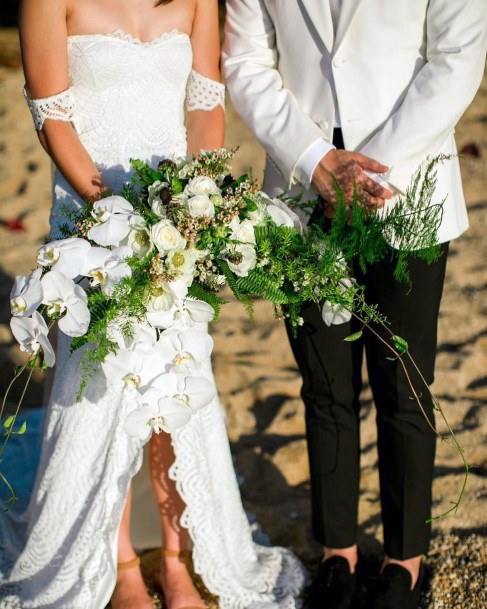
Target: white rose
(200, 206)
(243, 231)
(257, 216)
(166, 237)
(248, 259)
(202, 185)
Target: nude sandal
(130, 564)
(185, 556)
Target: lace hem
(241, 573)
(59, 107)
(203, 93)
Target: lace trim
(59, 107)
(203, 93)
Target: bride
(110, 80)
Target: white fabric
(204, 93)
(61, 554)
(403, 71)
(307, 163)
(59, 107)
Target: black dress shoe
(334, 586)
(393, 589)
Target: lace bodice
(129, 96)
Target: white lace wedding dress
(126, 100)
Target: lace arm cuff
(59, 107)
(203, 93)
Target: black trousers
(331, 371)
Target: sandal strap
(130, 564)
(186, 554)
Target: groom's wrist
(310, 159)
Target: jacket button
(324, 125)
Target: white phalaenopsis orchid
(113, 220)
(184, 350)
(26, 294)
(334, 315)
(66, 301)
(142, 337)
(32, 335)
(139, 238)
(283, 215)
(107, 267)
(186, 312)
(132, 370)
(242, 259)
(67, 256)
(164, 415)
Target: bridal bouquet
(136, 278)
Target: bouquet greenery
(136, 277)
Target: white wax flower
(243, 231)
(184, 350)
(32, 335)
(67, 256)
(248, 259)
(67, 301)
(107, 267)
(166, 237)
(201, 206)
(335, 315)
(26, 294)
(113, 220)
(202, 185)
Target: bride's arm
(206, 127)
(43, 35)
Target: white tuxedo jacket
(403, 72)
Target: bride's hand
(346, 170)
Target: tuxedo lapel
(347, 14)
(320, 16)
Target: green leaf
(22, 430)
(353, 337)
(9, 421)
(400, 344)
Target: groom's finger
(375, 189)
(370, 164)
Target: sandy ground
(257, 376)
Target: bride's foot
(130, 591)
(177, 585)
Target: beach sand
(257, 377)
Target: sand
(257, 376)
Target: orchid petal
(136, 423)
(200, 391)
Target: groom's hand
(345, 170)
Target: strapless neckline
(120, 34)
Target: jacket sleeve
(257, 90)
(439, 94)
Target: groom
(334, 90)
